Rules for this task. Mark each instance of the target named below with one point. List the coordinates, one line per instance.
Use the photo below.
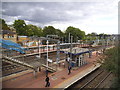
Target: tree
(40, 32)
(33, 30)
(4, 25)
(91, 36)
(20, 26)
(93, 33)
(75, 32)
(110, 61)
(59, 33)
(110, 58)
(49, 30)
(101, 36)
(82, 34)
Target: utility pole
(69, 38)
(58, 53)
(39, 48)
(77, 40)
(104, 46)
(62, 39)
(71, 49)
(47, 53)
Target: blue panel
(7, 44)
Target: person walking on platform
(46, 72)
(47, 82)
(69, 70)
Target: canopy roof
(76, 51)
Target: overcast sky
(99, 17)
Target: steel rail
(90, 81)
(102, 80)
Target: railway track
(97, 86)
(11, 69)
(96, 81)
(93, 80)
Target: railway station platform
(59, 79)
(75, 78)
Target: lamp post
(47, 59)
(62, 39)
(47, 53)
(69, 38)
(77, 40)
(39, 47)
(71, 49)
(58, 52)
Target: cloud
(88, 16)
(43, 12)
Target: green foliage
(33, 30)
(91, 36)
(102, 36)
(49, 30)
(59, 33)
(111, 60)
(75, 32)
(20, 26)
(4, 25)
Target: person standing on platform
(47, 82)
(69, 70)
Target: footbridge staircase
(34, 65)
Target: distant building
(22, 38)
(9, 35)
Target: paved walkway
(59, 79)
(76, 77)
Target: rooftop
(75, 51)
(7, 32)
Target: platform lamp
(71, 49)
(62, 39)
(39, 48)
(58, 53)
(47, 59)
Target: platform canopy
(76, 51)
